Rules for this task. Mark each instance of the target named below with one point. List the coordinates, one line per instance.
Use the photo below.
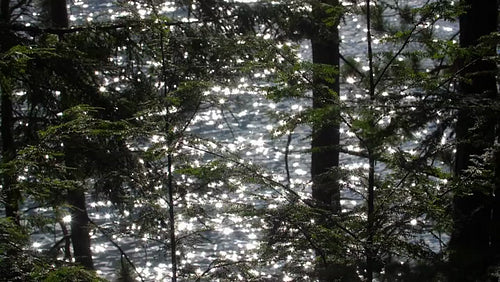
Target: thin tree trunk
(326, 137)
(10, 192)
(370, 251)
(470, 249)
(171, 218)
(495, 220)
(67, 240)
(167, 84)
(370, 229)
(80, 224)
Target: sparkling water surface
(241, 124)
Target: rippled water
(241, 124)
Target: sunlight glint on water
(234, 237)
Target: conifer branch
(122, 252)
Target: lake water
(241, 124)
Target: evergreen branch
(122, 252)
(53, 249)
(405, 43)
(316, 248)
(353, 153)
(20, 4)
(214, 265)
(353, 67)
(454, 76)
(295, 195)
(441, 64)
(389, 64)
(35, 30)
(227, 122)
(252, 169)
(361, 140)
(24, 5)
(442, 243)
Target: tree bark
(10, 192)
(326, 136)
(5, 11)
(58, 13)
(80, 223)
(470, 252)
(80, 227)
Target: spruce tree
(395, 200)
(10, 193)
(80, 224)
(471, 251)
(326, 136)
(136, 140)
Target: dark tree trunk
(10, 192)
(80, 227)
(325, 138)
(470, 249)
(495, 220)
(80, 223)
(5, 11)
(58, 13)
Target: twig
(287, 152)
(214, 265)
(353, 67)
(130, 23)
(122, 252)
(370, 54)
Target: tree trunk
(370, 250)
(80, 223)
(470, 252)
(58, 13)
(325, 137)
(495, 220)
(80, 226)
(10, 192)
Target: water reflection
(238, 123)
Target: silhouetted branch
(122, 252)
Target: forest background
(223, 141)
